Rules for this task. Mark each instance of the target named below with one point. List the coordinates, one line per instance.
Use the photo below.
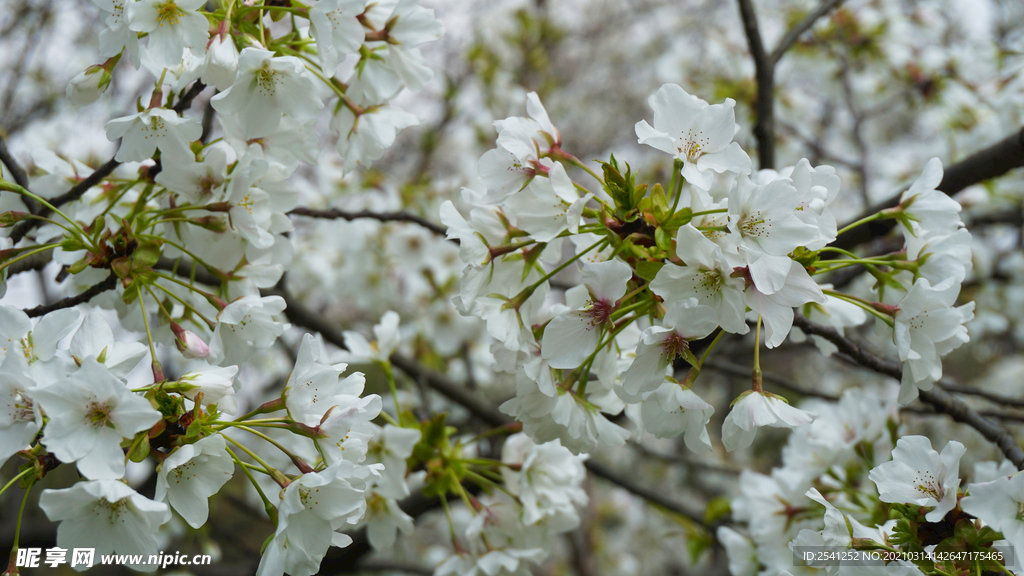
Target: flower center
(675, 345)
(168, 13)
(600, 313)
(691, 146)
(99, 415)
(267, 80)
(753, 225)
(309, 497)
(20, 410)
(927, 485)
(112, 510)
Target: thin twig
(337, 213)
(17, 172)
(70, 301)
(992, 162)
(741, 372)
(76, 192)
(857, 130)
(939, 400)
(803, 26)
(764, 74)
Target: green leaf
(678, 220)
(805, 257)
(660, 202)
(663, 239)
(432, 435)
(717, 508)
(194, 429)
(647, 269)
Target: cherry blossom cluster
(178, 205)
(720, 250)
(905, 499)
(74, 406)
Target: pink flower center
(675, 345)
(600, 313)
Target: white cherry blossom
(695, 132)
(265, 88)
(141, 134)
(999, 504)
(706, 276)
(927, 327)
(917, 474)
(173, 27)
(108, 516)
(672, 410)
(754, 410)
(659, 346)
(570, 337)
(90, 413)
(193, 473)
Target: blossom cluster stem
(274, 472)
(21, 475)
(862, 221)
(756, 372)
(271, 511)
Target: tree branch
(336, 213)
(938, 399)
(741, 372)
(794, 33)
(986, 164)
(764, 74)
(17, 172)
(70, 301)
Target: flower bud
(190, 345)
(221, 62)
(87, 87)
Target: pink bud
(190, 345)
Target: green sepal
(146, 254)
(140, 447)
(131, 292)
(121, 267)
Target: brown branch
(36, 261)
(741, 372)
(938, 399)
(186, 101)
(70, 301)
(990, 396)
(986, 164)
(764, 74)
(803, 26)
(17, 172)
(857, 130)
(336, 213)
